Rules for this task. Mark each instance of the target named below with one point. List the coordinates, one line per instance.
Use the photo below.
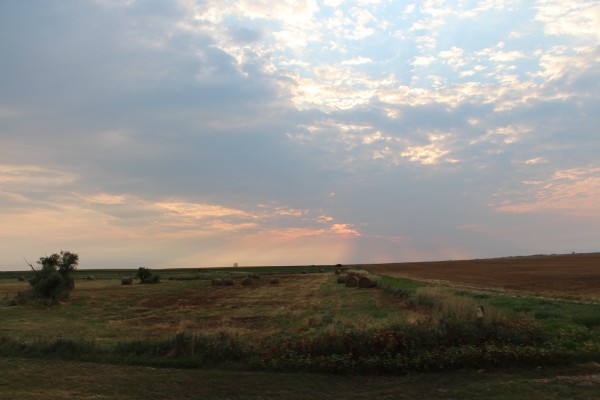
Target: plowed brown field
(572, 275)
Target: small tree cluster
(147, 276)
(53, 281)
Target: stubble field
(565, 276)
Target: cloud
(536, 160)
(573, 191)
(424, 154)
(246, 35)
(577, 18)
(357, 61)
(199, 211)
(105, 198)
(344, 229)
(15, 176)
(353, 24)
(423, 61)
(224, 127)
(506, 56)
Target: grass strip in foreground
(27, 379)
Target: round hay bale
(351, 281)
(90, 277)
(126, 281)
(246, 282)
(227, 282)
(305, 272)
(342, 278)
(217, 282)
(338, 271)
(366, 282)
(321, 270)
(274, 281)
(21, 278)
(357, 273)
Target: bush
(146, 276)
(50, 285)
(53, 282)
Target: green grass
(350, 307)
(29, 379)
(555, 315)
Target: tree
(67, 262)
(53, 281)
(146, 275)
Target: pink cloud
(573, 191)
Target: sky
(202, 133)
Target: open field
(105, 311)
(32, 379)
(261, 340)
(575, 276)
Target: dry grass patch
(258, 310)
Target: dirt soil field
(571, 276)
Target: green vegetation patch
(84, 380)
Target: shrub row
(392, 350)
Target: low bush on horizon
(146, 275)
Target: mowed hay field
(105, 311)
(570, 275)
